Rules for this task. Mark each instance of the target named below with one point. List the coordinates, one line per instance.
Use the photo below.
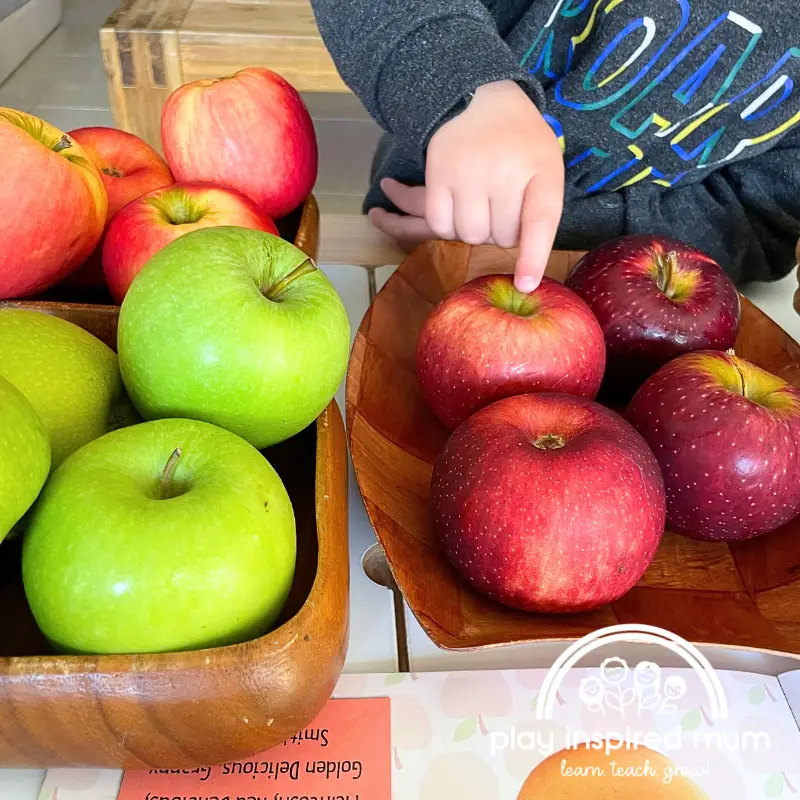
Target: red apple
(155, 219)
(548, 503)
(727, 436)
(52, 205)
(655, 299)
(250, 131)
(128, 168)
(487, 341)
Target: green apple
(24, 456)
(235, 327)
(70, 377)
(168, 535)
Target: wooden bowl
(741, 594)
(301, 227)
(189, 709)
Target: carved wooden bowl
(740, 594)
(190, 709)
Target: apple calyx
(550, 441)
(113, 172)
(165, 482)
(306, 268)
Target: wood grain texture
(745, 594)
(181, 710)
(150, 47)
(351, 239)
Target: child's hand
(495, 173)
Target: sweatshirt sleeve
(746, 216)
(411, 62)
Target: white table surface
(373, 638)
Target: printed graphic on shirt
(681, 92)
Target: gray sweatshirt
(676, 117)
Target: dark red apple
(487, 341)
(547, 502)
(655, 299)
(727, 436)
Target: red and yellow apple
(727, 436)
(549, 503)
(655, 299)
(155, 219)
(128, 168)
(487, 340)
(52, 205)
(250, 131)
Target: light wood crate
(150, 47)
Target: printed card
(345, 753)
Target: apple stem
(169, 471)
(62, 144)
(307, 267)
(739, 371)
(666, 263)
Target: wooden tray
(184, 710)
(301, 227)
(744, 594)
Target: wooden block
(150, 47)
(353, 239)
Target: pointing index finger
(541, 212)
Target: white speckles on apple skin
(643, 327)
(557, 531)
(725, 477)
